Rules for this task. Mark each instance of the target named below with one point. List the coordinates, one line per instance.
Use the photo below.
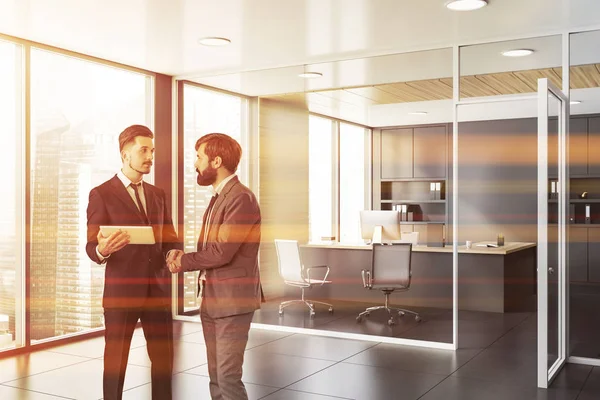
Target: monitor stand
(377, 234)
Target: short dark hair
(131, 132)
(224, 146)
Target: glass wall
(584, 202)
(206, 111)
(11, 198)
(322, 135)
(76, 117)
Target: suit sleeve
(169, 236)
(96, 216)
(241, 224)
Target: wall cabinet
(418, 153)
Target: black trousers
(157, 324)
(226, 340)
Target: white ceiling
(161, 35)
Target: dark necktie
(205, 221)
(136, 187)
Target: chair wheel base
(330, 310)
(417, 318)
(391, 322)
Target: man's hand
(115, 242)
(174, 261)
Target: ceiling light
(310, 75)
(418, 113)
(572, 102)
(214, 41)
(517, 53)
(466, 5)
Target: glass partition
(343, 137)
(584, 201)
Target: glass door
(552, 235)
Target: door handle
(551, 270)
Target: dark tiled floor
(500, 363)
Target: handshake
(174, 261)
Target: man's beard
(137, 170)
(207, 177)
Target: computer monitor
(388, 221)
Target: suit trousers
(226, 340)
(157, 324)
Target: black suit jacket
(136, 271)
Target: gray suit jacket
(231, 256)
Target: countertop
(509, 247)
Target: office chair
(390, 272)
(294, 274)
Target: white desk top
(509, 247)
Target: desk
(489, 279)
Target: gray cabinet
(429, 152)
(578, 254)
(593, 252)
(593, 147)
(578, 146)
(397, 153)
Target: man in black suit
(137, 282)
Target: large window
(339, 178)
(205, 111)
(78, 109)
(354, 179)
(11, 198)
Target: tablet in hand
(137, 234)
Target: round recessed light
(310, 75)
(572, 102)
(466, 5)
(517, 53)
(418, 113)
(214, 41)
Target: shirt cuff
(101, 257)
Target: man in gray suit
(227, 256)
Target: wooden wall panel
(283, 182)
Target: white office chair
(294, 274)
(390, 272)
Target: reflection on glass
(78, 109)
(10, 127)
(320, 181)
(353, 182)
(205, 111)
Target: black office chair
(390, 272)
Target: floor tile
(10, 393)
(34, 363)
(186, 356)
(276, 370)
(474, 389)
(286, 394)
(413, 359)
(193, 387)
(368, 383)
(80, 381)
(93, 348)
(256, 337)
(323, 348)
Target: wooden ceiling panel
(531, 77)
(585, 76)
(582, 76)
(377, 94)
(433, 89)
(506, 83)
